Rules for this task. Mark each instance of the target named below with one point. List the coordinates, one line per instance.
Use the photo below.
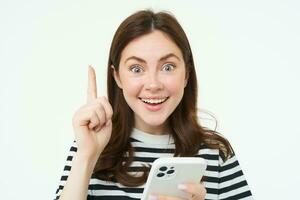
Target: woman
(150, 113)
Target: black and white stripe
(222, 180)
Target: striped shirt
(222, 180)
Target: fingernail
(152, 197)
(181, 187)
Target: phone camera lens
(160, 174)
(164, 168)
(170, 171)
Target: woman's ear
(116, 76)
(186, 79)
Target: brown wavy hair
(186, 130)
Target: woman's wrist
(87, 163)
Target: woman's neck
(155, 130)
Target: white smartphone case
(167, 173)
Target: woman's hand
(92, 122)
(197, 190)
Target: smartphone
(167, 173)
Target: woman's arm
(78, 180)
(92, 128)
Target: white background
(247, 58)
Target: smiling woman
(152, 76)
(150, 113)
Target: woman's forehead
(154, 45)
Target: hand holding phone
(167, 173)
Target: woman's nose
(153, 83)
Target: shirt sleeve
(66, 170)
(232, 182)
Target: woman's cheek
(174, 86)
(132, 87)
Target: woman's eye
(136, 69)
(168, 67)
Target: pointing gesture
(92, 122)
(92, 85)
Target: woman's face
(152, 77)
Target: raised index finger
(92, 85)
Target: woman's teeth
(154, 101)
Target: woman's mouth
(154, 104)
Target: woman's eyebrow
(161, 59)
(168, 56)
(135, 58)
